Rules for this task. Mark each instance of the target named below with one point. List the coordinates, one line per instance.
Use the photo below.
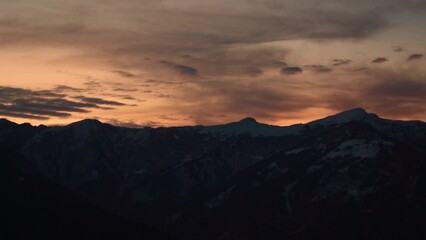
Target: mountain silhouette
(352, 175)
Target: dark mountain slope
(353, 175)
(33, 207)
(304, 194)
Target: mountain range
(352, 175)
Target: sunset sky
(185, 62)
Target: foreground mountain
(348, 176)
(33, 207)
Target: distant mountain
(352, 175)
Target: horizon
(180, 63)
(220, 124)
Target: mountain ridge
(351, 172)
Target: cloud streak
(319, 68)
(339, 62)
(182, 69)
(44, 104)
(379, 60)
(413, 57)
(291, 70)
(125, 74)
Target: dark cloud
(99, 101)
(162, 82)
(379, 60)
(319, 68)
(182, 69)
(339, 62)
(125, 90)
(279, 64)
(9, 113)
(291, 70)
(162, 95)
(398, 49)
(10, 93)
(360, 69)
(414, 57)
(128, 98)
(43, 104)
(125, 74)
(228, 60)
(64, 88)
(93, 84)
(254, 71)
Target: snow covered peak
(356, 114)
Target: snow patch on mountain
(358, 148)
(314, 168)
(274, 170)
(295, 151)
(356, 114)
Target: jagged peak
(5, 121)
(26, 124)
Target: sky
(157, 63)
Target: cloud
(291, 70)
(225, 61)
(64, 88)
(125, 74)
(254, 71)
(182, 69)
(319, 68)
(339, 62)
(206, 101)
(92, 84)
(125, 90)
(8, 113)
(184, 29)
(98, 101)
(162, 95)
(391, 94)
(360, 69)
(379, 60)
(44, 104)
(398, 49)
(414, 57)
